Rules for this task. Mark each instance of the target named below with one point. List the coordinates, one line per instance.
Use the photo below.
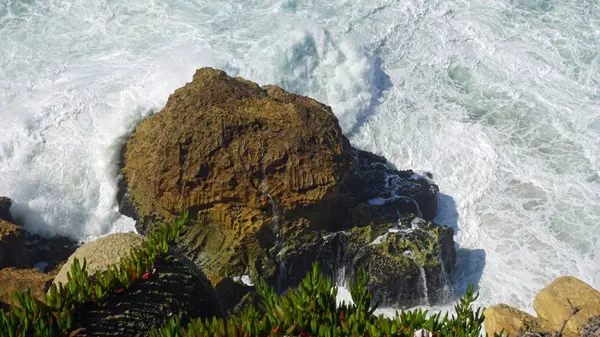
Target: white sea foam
(498, 99)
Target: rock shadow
(470, 263)
(381, 84)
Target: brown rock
(555, 302)
(240, 156)
(222, 140)
(12, 245)
(12, 280)
(512, 321)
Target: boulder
(12, 245)
(12, 280)
(177, 288)
(556, 301)
(513, 322)
(226, 143)
(258, 167)
(101, 253)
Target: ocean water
(499, 99)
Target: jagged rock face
(258, 168)
(373, 182)
(409, 261)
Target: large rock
(258, 168)
(556, 301)
(513, 322)
(226, 143)
(12, 245)
(178, 288)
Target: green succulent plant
(53, 315)
(310, 310)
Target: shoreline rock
(565, 301)
(260, 168)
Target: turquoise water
(499, 99)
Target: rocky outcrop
(177, 288)
(372, 182)
(259, 168)
(556, 301)
(512, 321)
(567, 305)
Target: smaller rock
(101, 253)
(555, 303)
(5, 204)
(12, 279)
(231, 292)
(512, 321)
(12, 245)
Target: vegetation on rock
(311, 311)
(56, 312)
